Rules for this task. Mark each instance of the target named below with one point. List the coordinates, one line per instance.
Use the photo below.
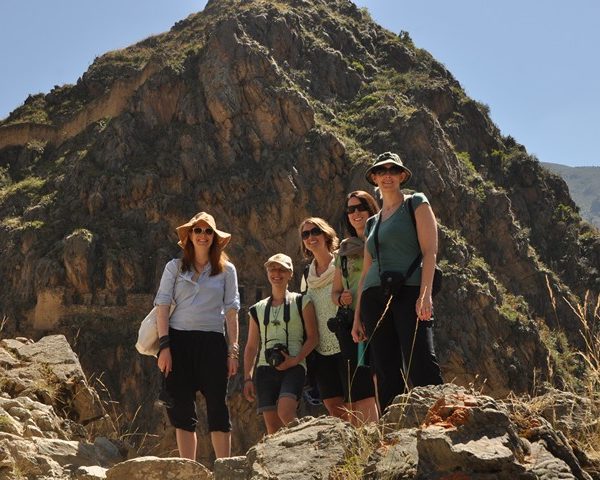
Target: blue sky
(535, 64)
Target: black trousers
(394, 356)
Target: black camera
(274, 355)
(343, 320)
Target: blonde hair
(331, 239)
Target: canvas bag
(147, 341)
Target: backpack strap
(253, 313)
(419, 257)
(299, 306)
(305, 278)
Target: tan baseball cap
(281, 259)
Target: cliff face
(263, 113)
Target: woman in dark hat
(194, 351)
(391, 247)
(358, 207)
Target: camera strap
(344, 263)
(286, 317)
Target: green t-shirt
(354, 265)
(276, 327)
(398, 243)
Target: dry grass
(578, 415)
(119, 426)
(369, 438)
(588, 314)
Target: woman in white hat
(402, 341)
(195, 354)
(283, 328)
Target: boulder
(154, 468)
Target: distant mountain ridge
(584, 186)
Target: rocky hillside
(53, 425)
(263, 113)
(52, 422)
(584, 187)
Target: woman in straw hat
(282, 326)
(194, 353)
(402, 341)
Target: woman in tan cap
(283, 328)
(402, 341)
(194, 352)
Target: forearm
(250, 353)
(231, 322)
(429, 260)
(162, 320)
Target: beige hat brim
(223, 238)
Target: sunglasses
(356, 208)
(393, 170)
(199, 230)
(313, 231)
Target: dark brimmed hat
(183, 230)
(281, 259)
(385, 159)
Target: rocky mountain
(584, 187)
(263, 113)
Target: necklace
(388, 210)
(276, 311)
(393, 206)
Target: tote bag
(147, 341)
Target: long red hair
(217, 257)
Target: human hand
(289, 362)
(346, 298)
(358, 331)
(424, 307)
(165, 361)
(249, 392)
(232, 366)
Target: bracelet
(234, 355)
(340, 300)
(163, 342)
(234, 347)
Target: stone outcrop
(48, 412)
(443, 432)
(154, 468)
(53, 426)
(264, 113)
